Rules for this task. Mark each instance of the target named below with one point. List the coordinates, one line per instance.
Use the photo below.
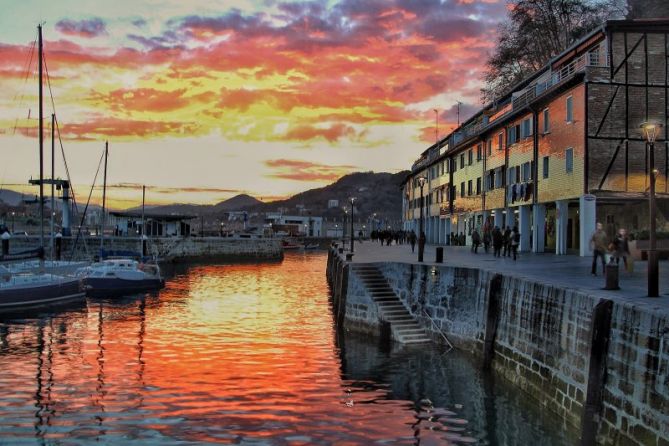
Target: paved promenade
(568, 271)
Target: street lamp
(421, 236)
(650, 131)
(13, 214)
(343, 228)
(352, 200)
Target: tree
(536, 31)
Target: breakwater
(168, 249)
(601, 365)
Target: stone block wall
(543, 343)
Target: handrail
(439, 330)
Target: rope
(83, 216)
(31, 53)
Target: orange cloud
(299, 170)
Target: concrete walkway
(567, 271)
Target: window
(462, 161)
(547, 121)
(526, 128)
(526, 175)
(454, 164)
(511, 135)
(498, 177)
(546, 159)
(478, 186)
(479, 155)
(569, 160)
(511, 175)
(490, 184)
(570, 109)
(489, 147)
(469, 187)
(500, 141)
(462, 189)
(470, 157)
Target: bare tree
(535, 32)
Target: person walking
(486, 240)
(622, 247)
(598, 245)
(476, 241)
(412, 240)
(515, 241)
(497, 240)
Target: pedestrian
(515, 241)
(506, 239)
(497, 241)
(476, 241)
(486, 240)
(621, 247)
(598, 246)
(412, 240)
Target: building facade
(560, 152)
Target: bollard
(349, 257)
(440, 255)
(5, 243)
(611, 277)
(145, 248)
(58, 248)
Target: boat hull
(42, 295)
(115, 287)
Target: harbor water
(244, 354)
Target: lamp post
(650, 131)
(421, 235)
(343, 229)
(13, 214)
(352, 200)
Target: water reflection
(240, 354)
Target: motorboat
(26, 290)
(310, 246)
(290, 245)
(119, 277)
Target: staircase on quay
(404, 327)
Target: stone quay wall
(601, 365)
(168, 249)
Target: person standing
(497, 240)
(622, 247)
(598, 245)
(486, 239)
(506, 240)
(476, 241)
(515, 241)
(412, 240)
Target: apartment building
(560, 152)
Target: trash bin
(440, 254)
(611, 277)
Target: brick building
(560, 152)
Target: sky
(201, 100)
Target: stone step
(390, 304)
(410, 331)
(380, 299)
(413, 337)
(416, 341)
(394, 319)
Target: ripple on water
(238, 354)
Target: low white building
(333, 204)
(295, 225)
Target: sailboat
(111, 277)
(30, 289)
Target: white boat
(119, 277)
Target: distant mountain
(374, 192)
(11, 198)
(236, 203)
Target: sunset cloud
(83, 28)
(327, 78)
(299, 170)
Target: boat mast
(143, 200)
(53, 179)
(41, 138)
(104, 197)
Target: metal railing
(434, 324)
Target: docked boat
(25, 290)
(290, 245)
(119, 277)
(310, 246)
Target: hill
(374, 192)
